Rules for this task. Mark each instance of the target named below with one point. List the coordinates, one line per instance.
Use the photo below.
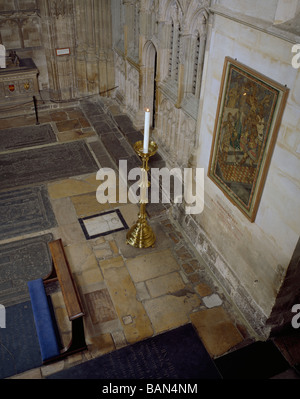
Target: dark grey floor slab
(45, 164)
(19, 343)
(21, 261)
(26, 136)
(175, 354)
(24, 211)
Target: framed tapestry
(249, 113)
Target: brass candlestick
(140, 234)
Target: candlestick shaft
(146, 131)
(141, 235)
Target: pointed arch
(149, 61)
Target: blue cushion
(43, 320)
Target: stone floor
(129, 294)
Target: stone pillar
(84, 27)
(94, 55)
(2, 56)
(104, 46)
(58, 32)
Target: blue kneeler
(43, 320)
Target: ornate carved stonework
(60, 8)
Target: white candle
(146, 131)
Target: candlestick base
(140, 234)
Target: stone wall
(168, 55)
(251, 259)
(180, 55)
(159, 53)
(20, 30)
(37, 29)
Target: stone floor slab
(145, 267)
(123, 294)
(81, 257)
(170, 311)
(73, 186)
(25, 211)
(26, 136)
(48, 163)
(216, 330)
(166, 284)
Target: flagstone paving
(129, 294)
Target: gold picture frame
(248, 117)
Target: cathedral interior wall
(120, 48)
(252, 257)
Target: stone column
(58, 32)
(104, 47)
(80, 56)
(94, 55)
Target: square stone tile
(216, 330)
(171, 311)
(64, 211)
(145, 267)
(84, 122)
(77, 134)
(89, 278)
(102, 224)
(75, 113)
(73, 186)
(81, 257)
(66, 125)
(57, 116)
(87, 205)
(101, 344)
(165, 284)
(71, 233)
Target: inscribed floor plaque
(21, 261)
(103, 224)
(100, 306)
(24, 211)
(48, 163)
(26, 136)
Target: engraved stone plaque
(100, 306)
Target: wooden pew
(61, 272)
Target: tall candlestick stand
(140, 234)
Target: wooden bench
(45, 325)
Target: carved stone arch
(173, 17)
(148, 70)
(149, 6)
(165, 104)
(171, 10)
(195, 30)
(198, 23)
(148, 48)
(196, 17)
